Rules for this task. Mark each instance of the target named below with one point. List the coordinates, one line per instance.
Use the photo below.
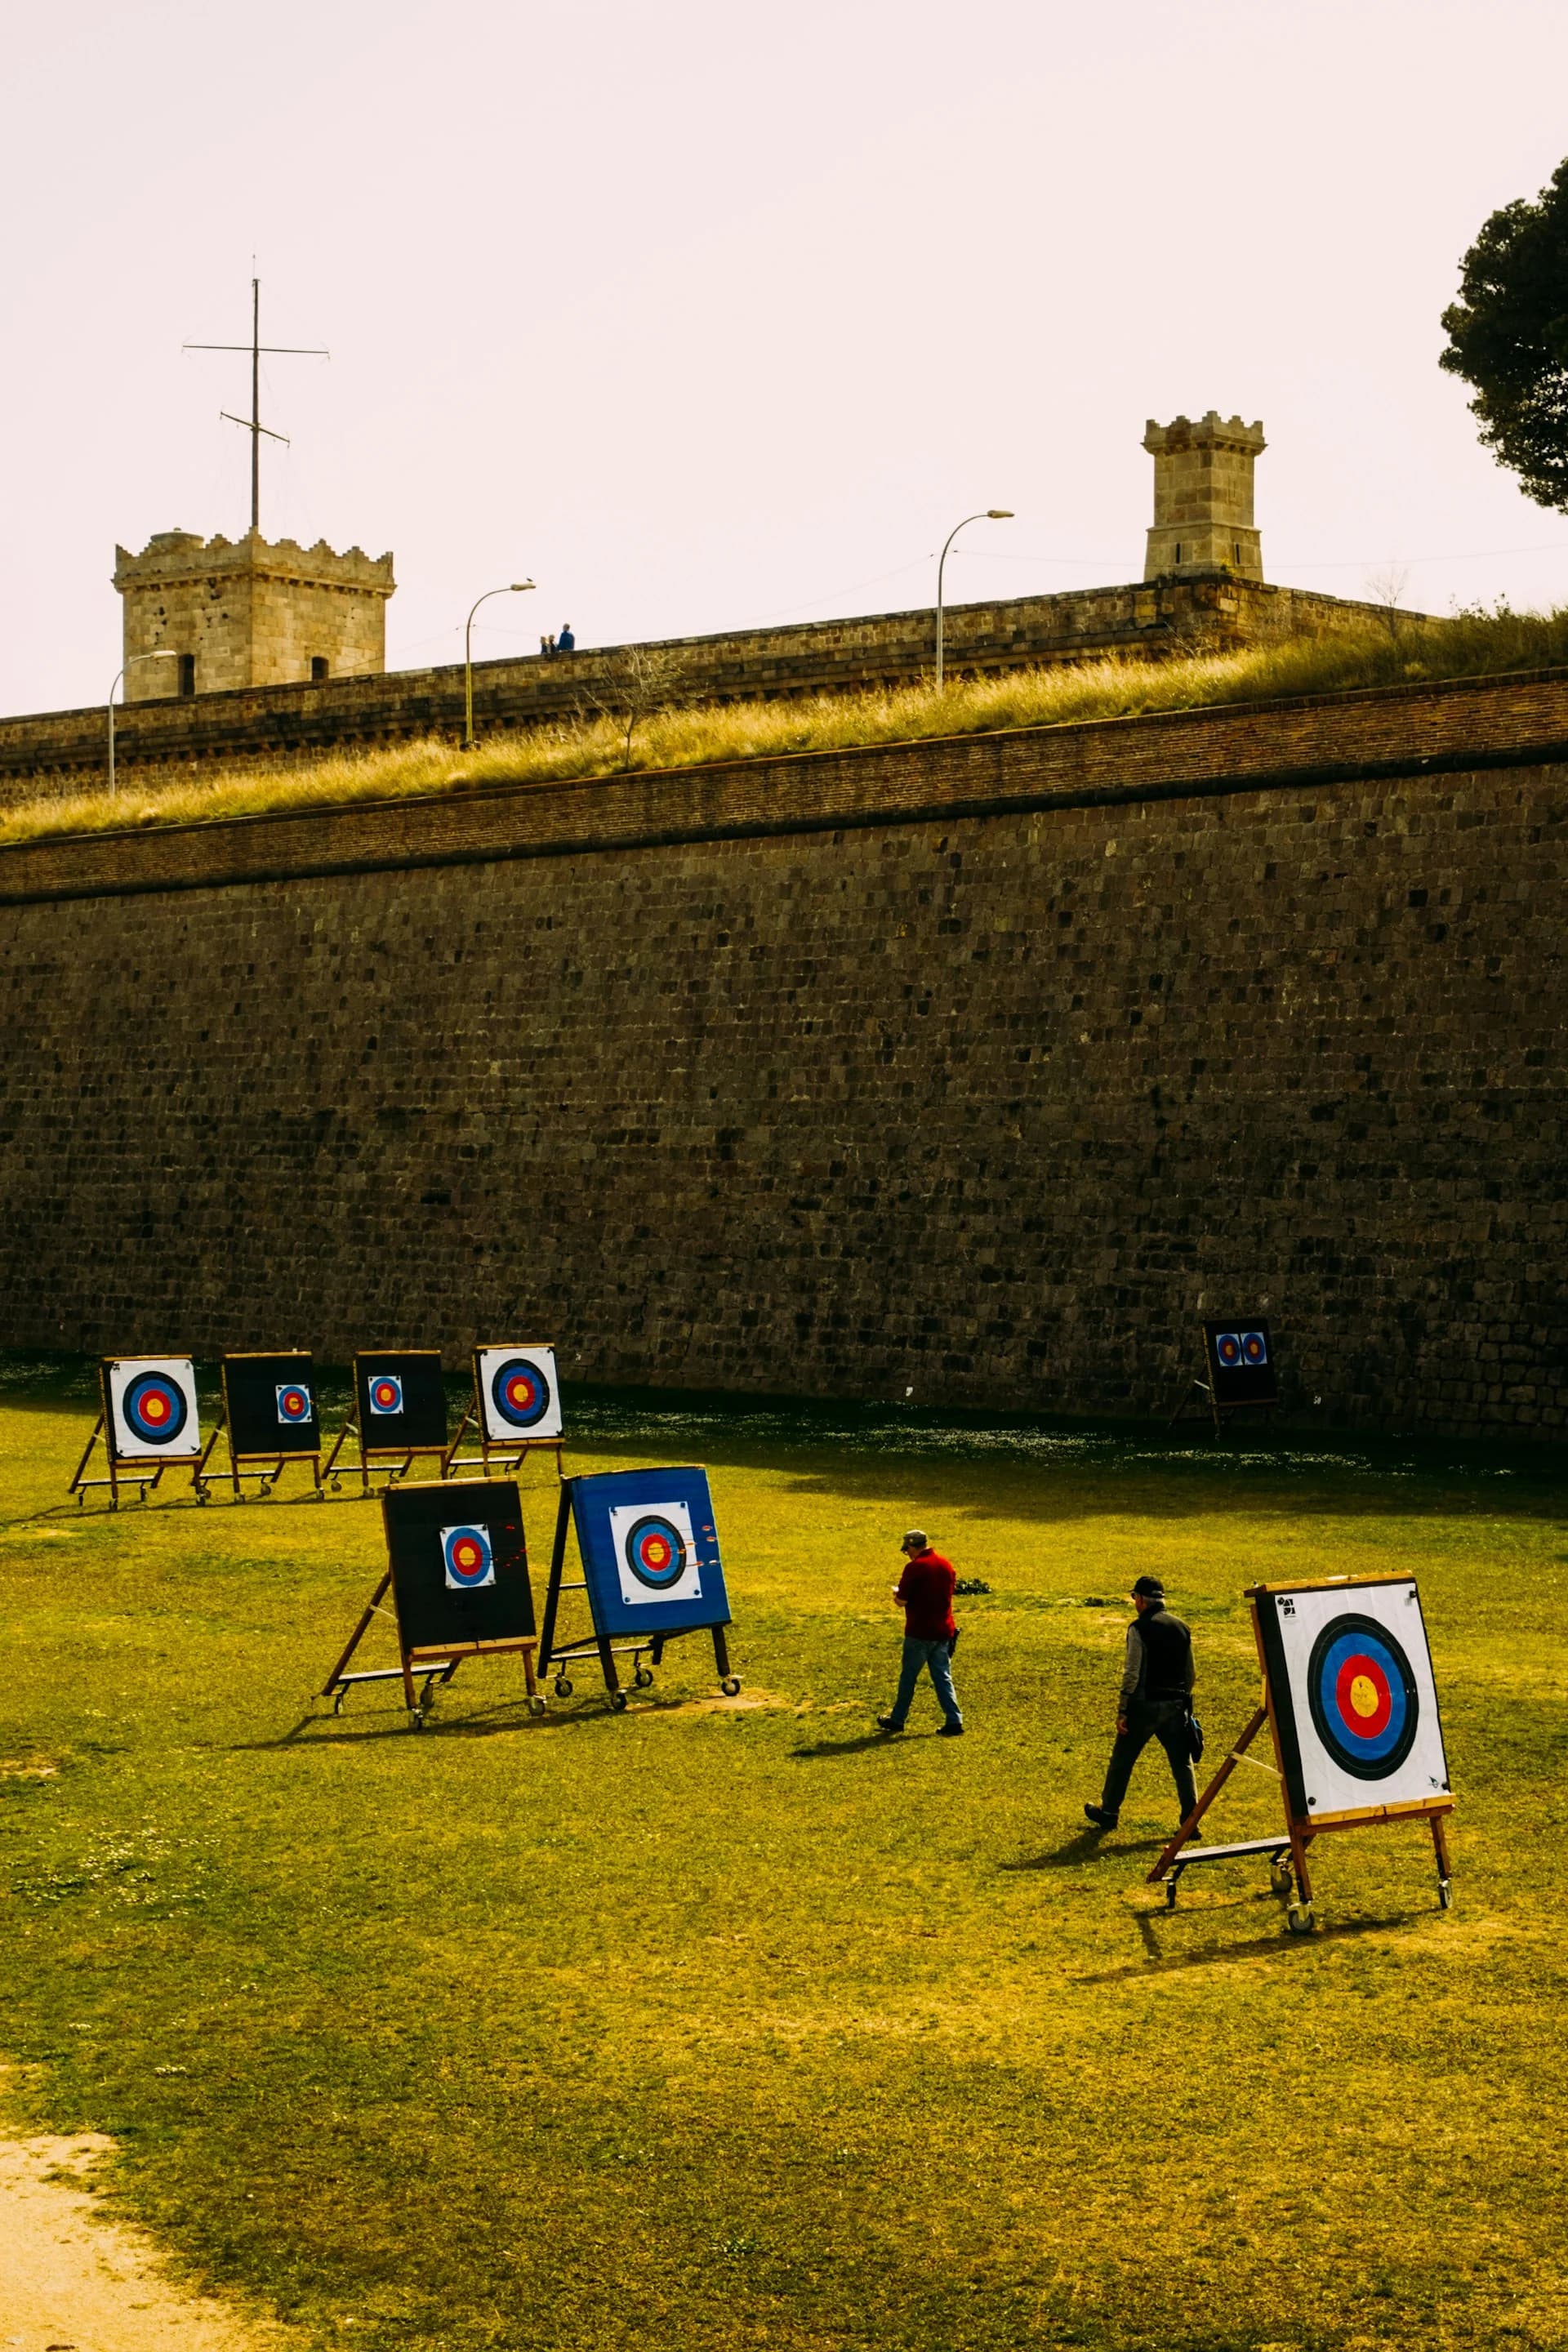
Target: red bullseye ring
(1362, 1696)
(154, 1408)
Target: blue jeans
(934, 1655)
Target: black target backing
(261, 1398)
(420, 1417)
(430, 1611)
(1239, 1351)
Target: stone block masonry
(979, 1067)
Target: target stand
(459, 1589)
(147, 1420)
(515, 1411)
(399, 1413)
(1239, 1373)
(651, 1571)
(268, 1419)
(1351, 1710)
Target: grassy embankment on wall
(741, 2027)
(1476, 645)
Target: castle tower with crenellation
(1202, 498)
(248, 611)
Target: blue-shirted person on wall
(925, 1588)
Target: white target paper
(153, 1408)
(1353, 1749)
(519, 1393)
(656, 1552)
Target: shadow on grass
(1257, 1947)
(1086, 1846)
(822, 1751)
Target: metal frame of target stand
(433, 1664)
(1289, 1875)
(601, 1645)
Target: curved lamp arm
(514, 588)
(985, 514)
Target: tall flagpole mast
(253, 424)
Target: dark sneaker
(886, 1723)
(951, 1731)
(1100, 1817)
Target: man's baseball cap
(916, 1536)
(1149, 1588)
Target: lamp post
(159, 653)
(986, 514)
(517, 588)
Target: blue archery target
(1361, 1692)
(649, 1549)
(151, 1408)
(384, 1394)
(1352, 1695)
(469, 1559)
(518, 1392)
(1255, 1347)
(294, 1404)
(1227, 1348)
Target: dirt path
(72, 2283)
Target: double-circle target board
(148, 1419)
(1351, 1703)
(1239, 1368)
(516, 1406)
(457, 1572)
(652, 1572)
(270, 1417)
(399, 1411)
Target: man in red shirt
(925, 1588)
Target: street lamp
(986, 514)
(159, 652)
(517, 588)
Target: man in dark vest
(1156, 1700)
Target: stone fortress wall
(979, 1068)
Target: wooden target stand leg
(1286, 1852)
(434, 1667)
(562, 1655)
(119, 1474)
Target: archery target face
(518, 1392)
(1227, 1348)
(656, 1552)
(467, 1559)
(384, 1394)
(153, 1408)
(1254, 1348)
(1361, 1696)
(293, 1403)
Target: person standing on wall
(925, 1589)
(1157, 1680)
(565, 642)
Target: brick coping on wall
(1433, 728)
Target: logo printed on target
(386, 1394)
(467, 1559)
(293, 1403)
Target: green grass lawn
(704, 2029)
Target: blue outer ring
(533, 1414)
(1365, 1760)
(131, 1407)
(661, 1580)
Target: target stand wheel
(562, 1687)
(618, 1702)
(203, 1495)
(643, 1679)
(730, 1686)
(1279, 1879)
(1299, 1919)
(1444, 1895)
(536, 1706)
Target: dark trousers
(1162, 1719)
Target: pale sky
(714, 313)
